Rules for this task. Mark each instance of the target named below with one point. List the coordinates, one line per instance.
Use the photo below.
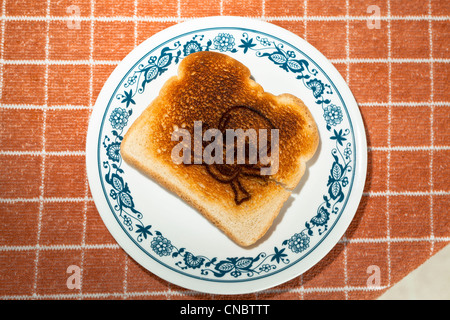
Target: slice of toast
(217, 90)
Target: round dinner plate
(170, 238)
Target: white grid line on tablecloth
(41, 153)
(182, 19)
(430, 31)
(409, 148)
(305, 16)
(60, 62)
(361, 104)
(91, 104)
(263, 9)
(389, 60)
(305, 36)
(55, 247)
(388, 227)
(55, 107)
(403, 104)
(406, 193)
(135, 22)
(49, 199)
(44, 120)
(172, 292)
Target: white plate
(174, 241)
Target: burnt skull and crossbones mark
(246, 161)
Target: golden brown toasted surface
(208, 86)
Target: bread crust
(207, 84)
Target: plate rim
(359, 140)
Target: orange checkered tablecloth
(55, 57)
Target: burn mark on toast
(232, 173)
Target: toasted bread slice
(211, 87)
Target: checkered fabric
(55, 58)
